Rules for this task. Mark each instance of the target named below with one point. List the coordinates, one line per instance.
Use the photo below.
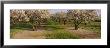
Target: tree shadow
(50, 28)
(72, 29)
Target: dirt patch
(26, 34)
(85, 34)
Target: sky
(52, 11)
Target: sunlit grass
(61, 34)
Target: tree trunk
(64, 22)
(85, 23)
(76, 27)
(59, 21)
(33, 28)
(39, 25)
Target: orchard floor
(40, 34)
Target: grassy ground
(54, 31)
(61, 34)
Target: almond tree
(35, 17)
(60, 17)
(15, 17)
(78, 16)
(18, 14)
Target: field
(57, 32)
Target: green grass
(54, 27)
(61, 34)
(21, 26)
(93, 26)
